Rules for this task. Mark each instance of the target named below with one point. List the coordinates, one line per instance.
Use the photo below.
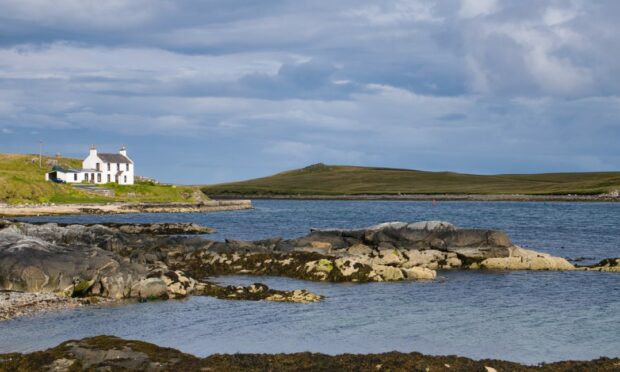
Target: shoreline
(151, 261)
(430, 197)
(26, 210)
(115, 353)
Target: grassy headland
(326, 180)
(22, 181)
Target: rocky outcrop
(110, 262)
(24, 210)
(524, 259)
(109, 353)
(160, 261)
(611, 265)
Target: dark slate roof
(113, 158)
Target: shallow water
(528, 317)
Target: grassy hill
(320, 179)
(23, 181)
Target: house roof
(58, 168)
(114, 158)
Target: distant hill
(321, 179)
(23, 181)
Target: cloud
(253, 88)
(475, 8)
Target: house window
(109, 177)
(125, 179)
(109, 166)
(75, 176)
(98, 166)
(98, 177)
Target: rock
(419, 273)
(162, 228)
(390, 257)
(388, 273)
(320, 269)
(109, 353)
(431, 226)
(524, 259)
(611, 265)
(297, 296)
(359, 250)
(432, 259)
(151, 288)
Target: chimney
(123, 151)
(93, 150)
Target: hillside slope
(23, 181)
(320, 179)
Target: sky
(221, 90)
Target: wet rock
(109, 353)
(611, 265)
(256, 292)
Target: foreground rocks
(109, 262)
(105, 353)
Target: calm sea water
(528, 317)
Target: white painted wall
(109, 170)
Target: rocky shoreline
(112, 262)
(610, 197)
(15, 304)
(30, 210)
(103, 353)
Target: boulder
(388, 273)
(150, 288)
(359, 250)
(432, 259)
(419, 273)
(524, 259)
(390, 257)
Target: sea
(527, 317)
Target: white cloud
(88, 13)
(401, 11)
(555, 16)
(475, 8)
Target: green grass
(22, 181)
(320, 179)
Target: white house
(98, 168)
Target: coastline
(26, 210)
(430, 197)
(114, 353)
